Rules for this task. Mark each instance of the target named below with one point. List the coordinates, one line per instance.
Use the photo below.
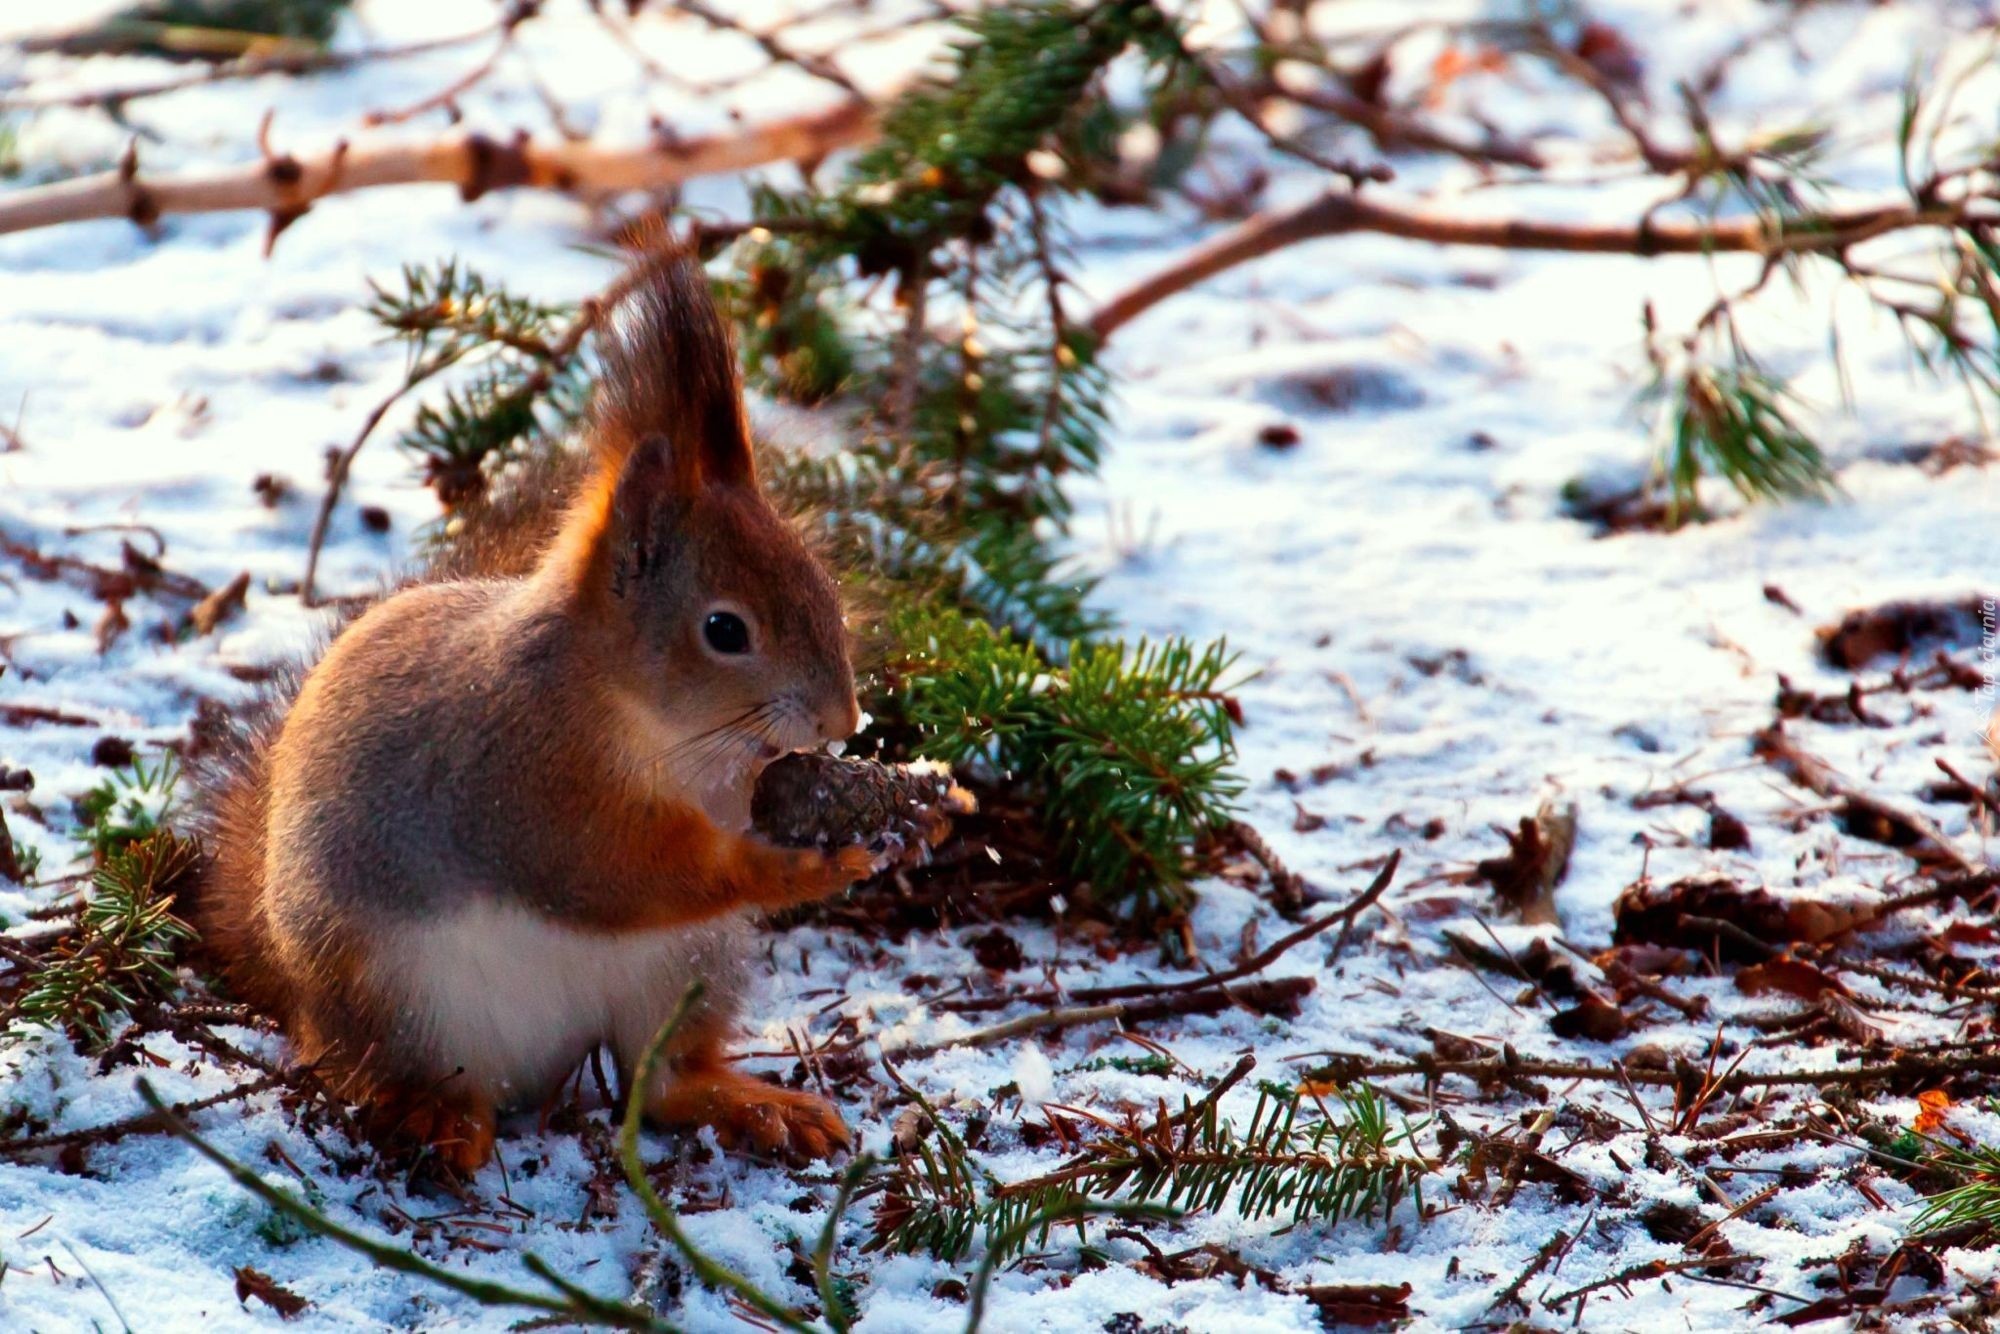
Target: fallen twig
(566, 1299)
(1640, 1272)
(1511, 1294)
(1262, 960)
(1210, 998)
(148, 1122)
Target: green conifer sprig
(1725, 413)
(1734, 420)
(948, 203)
(130, 805)
(1290, 1160)
(1962, 1181)
(124, 945)
(1128, 746)
(949, 147)
(528, 389)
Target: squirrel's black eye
(726, 633)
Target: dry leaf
(1658, 915)
(1646, 960)
(255, 1283)
(1899, 630)
(1536, 861)
(1932, 1104)
(1793, 977)
(1596, 1019)
(220, 605)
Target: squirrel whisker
(695, 757)
(685, 744)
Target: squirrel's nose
(840, 720)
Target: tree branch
(1339, 213)
(286, 186)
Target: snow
(1416, 609)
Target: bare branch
(1339, 213)
(286, 186)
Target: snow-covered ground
(1437, 648)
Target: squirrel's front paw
(823, 873)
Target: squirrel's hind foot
(457, 1131)
(748, 1113)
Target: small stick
(1748, 1204)
(1206, 1000)
(1641, 1272)
(140, 1123)
(1511, 1294)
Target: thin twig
(148, 1122)
(283, 61)
(572, 1301)
(1338, 213)
(1256, 964)
(1641, 1272)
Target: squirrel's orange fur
(502, 820)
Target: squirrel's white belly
(514, 999)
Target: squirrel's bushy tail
(231, 804)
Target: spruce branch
(1293, 1158)
(1737, 422)
(531, 390)
(1324, 1167)
(129, 806)
(121, 948)
(1129, 745)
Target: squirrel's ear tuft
(670, 371)
(636, 523)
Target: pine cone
(897, 811)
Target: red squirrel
(499, 823)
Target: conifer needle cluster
(1291, 1160)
